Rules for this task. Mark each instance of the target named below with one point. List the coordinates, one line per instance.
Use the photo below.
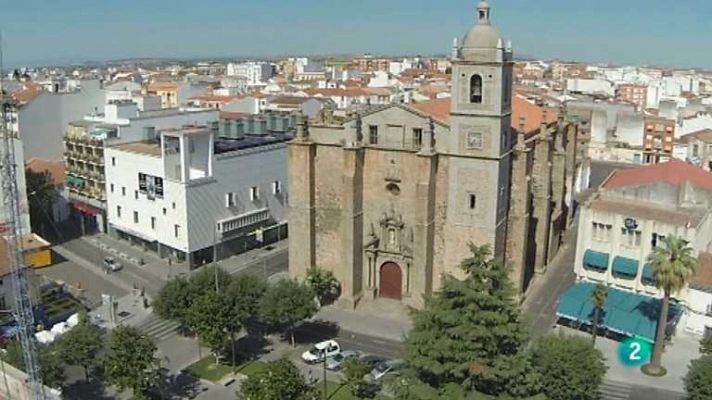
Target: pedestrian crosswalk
(157, 328)
(615, 391)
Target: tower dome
(483, 35)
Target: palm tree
(599, 295)
(673, 266)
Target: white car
(320, 351)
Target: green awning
(625, 312)
(595, 260)
(648, 274)
(625, 267)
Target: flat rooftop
(148, 148)
(222, 146)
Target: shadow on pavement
(80, 390)
(315, 331)
(180, 386)
(249, 348)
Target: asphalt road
(129, 274)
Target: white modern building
(190, 196)
(254, 72)
(121, 122)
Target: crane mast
(13, 235)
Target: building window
(135, 215)
(373, 134)
(111, 188)
(474, 140)
(153, 222)
(473, 201)
(695, 150)
(630, 238)
(174, 205)
(118, 211)
(657, 240)
(254, 193)
(113, 161)
(123, 190)
(476, 89)
(601, 232)
(229, 200)
(417, 137)
(276, 188)
(176, 230)
(136, 194)
(164, 210)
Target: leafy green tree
(324, 285)
(408, 386)
(286, 303)
(82, 344)
(353, 371)
(673, 265)
(706, 345)
(599, 295)
(130, 362)
(698, 381)
(571, 368)
(49, 359)
(280, 380)
(209, 317)
(244, 294)
(173, 300)
(469, 329)
(41, 196)
(204, 281)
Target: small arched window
(476, 89)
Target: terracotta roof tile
(674, 172)
(56, 169)
(673, 216)
(704, 135)
(533, 114)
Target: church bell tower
(480, 135)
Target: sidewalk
(383, 319)
(676, 358)
(160, 268)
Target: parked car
(320, 351)
(385, 368)
(372, 360)
(111, 265)
(334, 363)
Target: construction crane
(13, 235)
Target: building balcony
(82, 197)
(227, 226)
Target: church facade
(391, 198)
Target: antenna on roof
(2, 73)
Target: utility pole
(215, 260)
(23, 310)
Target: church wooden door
(390, 282)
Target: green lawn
(207, 369)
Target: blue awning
(595, 260)
(625, 267)
(648, 274)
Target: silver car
(385, 368)
(111, 265)
(335, 363)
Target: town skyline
(543, 30)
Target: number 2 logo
(635, 353)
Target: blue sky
(673, 33)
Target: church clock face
(474, 140)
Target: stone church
(390, 198)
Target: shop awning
(648, 274)
(625, 267)
(595, 259)
(626, 313)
